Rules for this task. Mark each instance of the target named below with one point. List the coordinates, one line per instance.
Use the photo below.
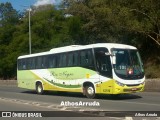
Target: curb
(8, 82)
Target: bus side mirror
(107, 53)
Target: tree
(79, 22)
(8, 14)
(106, 17)
(8, 21)
(142, 17)
(130, 22)
(8, 18)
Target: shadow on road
(79, 95)
(57, 93)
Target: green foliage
(8, 15)
(123, 21)
(130, 22)
(152, 71)
(8, 21)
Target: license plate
(134, 89)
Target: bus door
(103, 65)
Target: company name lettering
(80, 103)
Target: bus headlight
(120, 84)
(142, 83)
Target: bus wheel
(89, 91)
(39, 88)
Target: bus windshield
(128, 64)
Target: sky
(19, 5)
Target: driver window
(103, 63)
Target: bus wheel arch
(88, 90)
(39, 87)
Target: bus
(102, 68)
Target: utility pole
(29, 25)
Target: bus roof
(79, 47)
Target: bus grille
(133, 85)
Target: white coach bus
(102, 68)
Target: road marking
(36, 103)
(117, 118)
(63, 108)
(128, 118)
(50, 106)
(81, 110)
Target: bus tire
(39, 89)
(90, 91)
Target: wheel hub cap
(90, 91)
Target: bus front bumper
(128, 89)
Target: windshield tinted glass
(128, 64)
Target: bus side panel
(58, 79)
(26, 79)
(105, 87)
(70, 79)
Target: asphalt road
(17, 99)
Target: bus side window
(33, 63)
(52, 61)
(28, 63)
(86, 58)
(23, 64)
(83, 59)
(44, 62)
(39, 63)
(70, 59)
(90, 58)
(19, 64)
(62, 60)
(76, 58)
